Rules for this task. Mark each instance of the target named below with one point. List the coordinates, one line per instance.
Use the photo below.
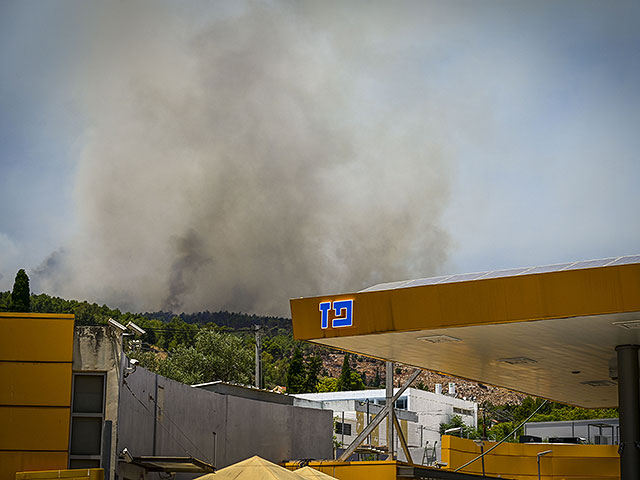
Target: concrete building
(419, 412)
(98, 368)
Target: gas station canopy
(549, 331)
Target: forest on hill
(196, 347)
(209, 346)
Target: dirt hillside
(466, 389)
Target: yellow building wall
(36, 353)
(519, 460)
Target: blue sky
(154, 153)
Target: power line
(505, 438)
(124, 382)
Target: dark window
(87, 418)
(463, 411)
(343, 426)
(88, 394)
(86, 433)
(401, 403)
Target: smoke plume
(240, 155)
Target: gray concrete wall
(99, 349)
(216, 428)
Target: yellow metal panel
(34, 428)
(571, 293)
(519, 460)
(36, 337)
(12, 462)
(74, 474)
(360, 422)
(35, 384)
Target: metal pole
(342, 429)
(629, 405)
(257, 329)
(155, 415)
(214, 449)
(539, 455)
(484, 424)
(389, 385)
(538, 467)
(403, 441)
(107, 433)
(368, 421)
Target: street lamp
(539, 454)
(480, 443)
(454, 429)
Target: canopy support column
(389, 385)
(629, 406)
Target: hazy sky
(231, 155)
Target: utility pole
(258, 332)
(484, 423)
(389, 401)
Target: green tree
(328, 384)
(349, 379)
(314, 365)
(213, 356)
(296, 373)
(344, 380)
(147, 359)
(456, 422)
(228, 358)
(377, 380)
(20, 296)
(5, 300)
(274, 371)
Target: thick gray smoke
(236, 158)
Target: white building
(419, 412)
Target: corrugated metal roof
(511, 272)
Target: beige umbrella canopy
(254, 468)
(309, 473)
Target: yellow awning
(254, 468)
(548, 331)
(309, 473)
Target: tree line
(198, 347)
(208, 346)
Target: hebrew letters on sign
(342, 313)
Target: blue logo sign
(342, 314)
